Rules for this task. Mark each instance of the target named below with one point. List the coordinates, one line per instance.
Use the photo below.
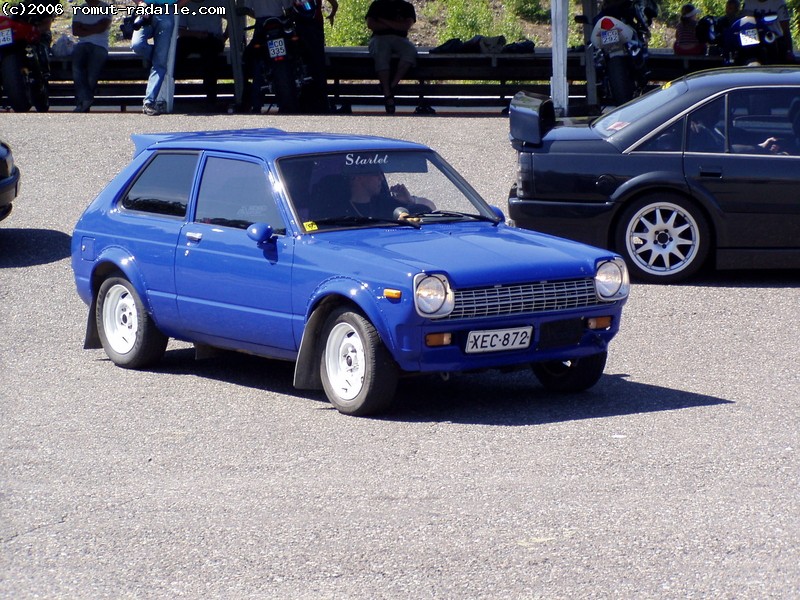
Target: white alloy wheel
(120, 319)
(663, 240)
(345, 360)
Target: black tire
(127, 332)
(570, 376)
(664, 238)
(358, 374)
(621, 79)
(284, 87)
(15, 85)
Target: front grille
(524, 298)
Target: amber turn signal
(438, 339)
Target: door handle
(194, 236)
(711, 172)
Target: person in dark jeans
(203, 35)
(390, 21)
(91, 51)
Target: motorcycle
(275, 57)
(754, 41)
(619, 41)
(25, 54)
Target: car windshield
(617, 120)
(378, 188)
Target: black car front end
(9, 180)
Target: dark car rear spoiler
(531, 116)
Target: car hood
(472, 255)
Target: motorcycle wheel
(620, 79)
(14, 83)
(284, 86)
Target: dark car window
(236, 193)
(667, 140)
(164, 186)
(764, 121)
(705, 130)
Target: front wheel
(570, 376)
(15, 83)
(358, 374)
(127, 332)
(663, 238)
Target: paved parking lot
(677, 476)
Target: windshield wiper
(456, 215)
(356, 220)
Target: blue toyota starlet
(361, 259)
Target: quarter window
(164, 186)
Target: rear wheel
(663, 238)
(620, 79)
(358, 374)
(15, 85)
(568, 376)
(127, 332)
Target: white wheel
(663, 239)
(127, 332)
(344, 361)
(120, 319)
(358, 373)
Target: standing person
(203, 34)
(754, 8)
(159, 26)
(312, 36)
(91, 51)
(390, 21)
(686, 42)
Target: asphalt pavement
(677, 476)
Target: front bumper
(589, 223)
(9, 190)
(551, 340)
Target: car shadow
(32, 247)
(489, 398)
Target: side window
(764, 121)
(236, 193)
(164, 186)
(668, 140)
(705, 131)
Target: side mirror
(260, 233)
(498, 213)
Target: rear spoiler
(531, 116)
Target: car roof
(729, 77)
(269, 144)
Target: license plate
(6, 37)
(497, 340)
(277, 48)
(609, 37)
(748, 37)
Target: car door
(231, 290)
(758, 190)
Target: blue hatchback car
(361, 259)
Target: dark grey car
(705, 169)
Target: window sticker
(310, 226)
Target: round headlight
(432, 295)
(612, 280)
